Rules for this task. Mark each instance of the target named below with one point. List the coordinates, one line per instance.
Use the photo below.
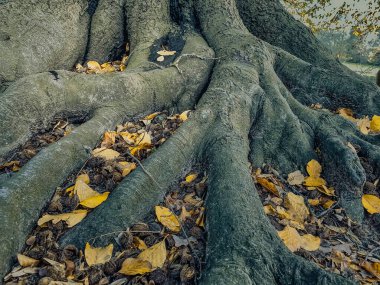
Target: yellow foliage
(135, 266)
(26, 261)
(270, 186)
(107, 154)
(294, 241)
(371, 203)
(71, 219)
(156, 254)
(296, 207)
(375, 124)
(99, 255)
(190, 178)
(93, 202)
(168, 219)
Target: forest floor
(168, 245)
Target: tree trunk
(248, 68)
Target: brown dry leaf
(135, 266)
(26, 261)
(109, 139)
(167, 218)
(71, 219)
(190, 178)
(166, 52)
(371, 203)
(375, 124)
(95, 201)
(139, 243)
(297, 209)
(107, 154)
(156, 254)
(127, 167)
(373, 268)
(14, 165)
(270, 186)
(185, 213)
(296, 178)
(294, 241)
(364, 125)
(98, 255)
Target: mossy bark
(250, 71)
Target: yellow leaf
(127, 167)
(144, 139)
(328, 204)
(296, 207)
(327, 191)
(71, 219)
(107, 67)
(129, 137)
(26, 261)
(184, 115)
(95, 201)
(83, 177)
(373, 268)
(11, 164)
(201, 218)
(282, 213)
(296, 178)
(98, 255)
(168, 219)
(313, 202)
(166, 52)
(190, 178)
(135, 266)
(294, 241)
(375, 124)
(83, 191)
(107, 154)
(156, 254)
(152, 116)
(314, 181)
(371, 203)
(93, 65)
(269, 210)
(139, 243)
(270, 186)
(314, 168)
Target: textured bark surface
(248, 68)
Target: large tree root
(254, 111)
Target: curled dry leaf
(294, 241)
(371, 203)
(268, 185)
(71, 219)
(26, 261)
(168, 219)
(98, 255)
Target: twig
(145, 171)
(328, 210)
(371, 252)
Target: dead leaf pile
(365, 125)
(313, 226)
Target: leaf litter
(308, 218)
(167, 247)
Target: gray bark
(251, 108)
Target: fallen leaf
(107, 154)
(83, 177)
(347, 113)
(184, 115)
(314, 181)
(166, 52)
(83, 191)
(127, 167)
(151, 116)
(201, 218)
(375, 124)
(364, 125)
(26, 261)
(313, 202)
(297, 209)
(109, 139)
(270, 210)
(371, 203)
(107, 67)
(135, 266)
(327, 191)
(190, 178)
(139, 243)
(161, 58)
(373, 268)
(71, 219)
(167, 218)
(95, 201)
(93, 66)
(99, 255)
(296, 178)
(328, 204)
(156, 254)
(313, 168)
(268, 185)
(294, 241)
